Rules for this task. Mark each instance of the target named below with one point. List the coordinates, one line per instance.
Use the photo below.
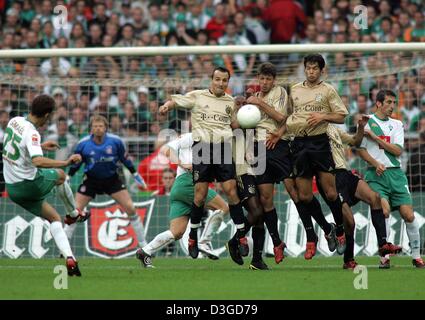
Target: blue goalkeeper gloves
(139, 181)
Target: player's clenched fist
(75, 158)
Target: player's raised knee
(61, 176)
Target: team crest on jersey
(195, 175)
(109, 150)
(108, 232)
(34, 139)
(228, 110)
(374, 125)
(318, 97)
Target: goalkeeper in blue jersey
(101, 152)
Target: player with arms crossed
(382, 149)
(315, 105)
(100, 153)
(30, 177)
(212, 117)
(181, 198)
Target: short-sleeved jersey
(21, 144)
(389, 130)
(322, 98)
(182, 146)
(339, 140)
(277, 98)
(211, 115)
(101, 160)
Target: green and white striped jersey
(389, 130)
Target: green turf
(320, 278)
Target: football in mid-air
(248, 116)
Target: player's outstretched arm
(358, 137)
(332, 117)
(43, 162)
(50, 146)
(166, 107)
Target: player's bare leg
(64, 191)
(221, 209)
(366, 194)
(123, 198)
(81, 201)
(50, 214)
(266, 191)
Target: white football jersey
(390, 130)
(183, 148)
(21, 143)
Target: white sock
(388, 227)
(69, 230)
(67, 197)
(139, 229)
(61, 240)
(412, 229)
(211, 226)
(161, 240)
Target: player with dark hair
(272, 100)
(212, 117)
(315, 105)
(101, 152)
(30, 177)
(382, 149)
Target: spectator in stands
(216, 26)
(409, 108)
(197, 20)
(95, 35)
(55, 66)
(100, 17)
(285, 17)
(416, 166)
(79, 126)
(168, 177)
(65, 140)
(152, 166)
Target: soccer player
(315, 105)
(352, 189)
(181, 198)
(272, 101)
(100, 153)
(212, 119)
(30, 177)
(382, 149)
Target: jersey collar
(26, 118)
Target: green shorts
(30, 194)
(182, 194)
(392, 186)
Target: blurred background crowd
(129, 90)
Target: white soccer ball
(248, 116)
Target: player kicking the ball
(30, 177)
(181, 197)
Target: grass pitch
(184, 278)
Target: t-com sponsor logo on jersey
(108, 232)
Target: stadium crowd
(132, 109)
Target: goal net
(128, 89)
